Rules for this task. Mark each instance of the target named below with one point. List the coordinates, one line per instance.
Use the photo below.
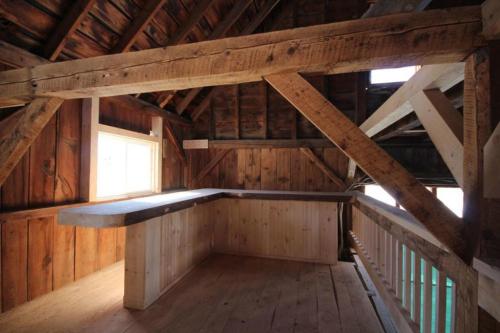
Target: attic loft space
(249, 166)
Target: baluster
(441, 303)
(388, 265)
(427, 325)
(416, 289)
(407, 286)
(399, 274)
(394, 265)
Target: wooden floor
(224, 294)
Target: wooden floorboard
(223, 294)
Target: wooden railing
(424, 286)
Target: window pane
(125, 165)
(139, 178)
(111, 157)
(390, 75)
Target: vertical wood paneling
(268, 169)
(14, 263)
(40, 240)
(42, 166)
(68, 152)
(283, 169)
(86, 248)
(64, 255)
(106, 247)
(280, 229)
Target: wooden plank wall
(38, 255)
(186, 239)
(293, 230)
(268, 169)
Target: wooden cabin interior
(250, 166)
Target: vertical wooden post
(142, 264)
(88, 169)
(157, 131)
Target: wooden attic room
(250, 166)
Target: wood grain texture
(386, 171)
(291, 230)
(34, 118)
(424, 38)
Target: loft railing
(424, 286)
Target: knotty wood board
(224, 293)
(297, 230)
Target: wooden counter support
(169, 234)
(142, 264)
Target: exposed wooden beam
(140, 22)
(249, 29)
(212, 164)
(88, 159)
(179, 151)
(403, 39)
(71, 21)
(220, 30)
(491, 162)
(399, 128)
(398, 106)
(259, 143)
(444, 124)
(194, 17)
(20, 136)
(477, 130)
(323, 167)
(379, 165)
(491, 19)
(388, 7)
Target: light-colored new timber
(378, 164)
(442, 76)
(222, 294)
(294, 230)
(444, 124)
(436, 36)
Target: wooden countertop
(127, 212)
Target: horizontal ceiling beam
(435, 36)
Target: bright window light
(453, 198)
(390, 75)
(125, 166)
(377, 192)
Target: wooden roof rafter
(341, 47)
(221, 29)
(54, 46)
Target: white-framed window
(392, 75)
(127, 163)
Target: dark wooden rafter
(380, 166)
(66, 27)
(146, 14)
(212, 164)
(323, 167)
(221, 29)
(19, 136)
(491, 19)
(249, 29)
(375, 42)
(388, 7)
(205, 102)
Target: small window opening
(392, 75)
(126, 165)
